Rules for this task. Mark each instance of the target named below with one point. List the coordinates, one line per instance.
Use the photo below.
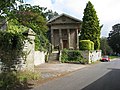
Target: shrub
(8, 81)
(92, 45)
(27, 75)
(17, 81)
(64, 56)
(11, 50)
(86, 45)
(71, 56)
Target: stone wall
(39, 58)
(91, 56)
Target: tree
(114, 38)
(34, 17)
(51, 14)
(106, 49)
(6, 8)
(90, 26)
(7, 5)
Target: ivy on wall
(11, 46)
(11, 50)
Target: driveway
(54, 70)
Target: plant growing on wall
(11, 50)
(90, 26)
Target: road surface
(102, 76)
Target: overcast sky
(108, 11)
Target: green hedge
(71, 56)
(86, 45)
(92, 45)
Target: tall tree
(106, 49)
(90, 26)
(114, 38)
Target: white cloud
(107, 10)
(42, 3)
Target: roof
(54, 18)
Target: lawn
(112, 57)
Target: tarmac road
(102, 76)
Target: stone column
(29, 50)
(77, 44)
(68, 31)
(61, 43)
(52, 40)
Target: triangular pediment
(64, 18)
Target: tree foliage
(6, 9)
(34, 17)
(90, 26)
(7, 5)
(11, 45)
(51, 14)
(106, 49)
(114, 38)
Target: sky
(107, 10)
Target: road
(102, 76)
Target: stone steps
(54, 57)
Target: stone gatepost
(29, 50)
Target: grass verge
(112, 57)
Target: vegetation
(114, 37)
(11, 50)
(51, 14)
(34, 18)
(7, 5)
(106, 50)
(72, 56)
(17, 81)
(112, 57)
(25, 76)
(90, 26)
(86, 45)
(11, 47)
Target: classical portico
(64, 31)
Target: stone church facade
(64, 30)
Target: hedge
(71, 56)
(86, 45)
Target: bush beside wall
(86, 45)
(92, 45)
(72, 56)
